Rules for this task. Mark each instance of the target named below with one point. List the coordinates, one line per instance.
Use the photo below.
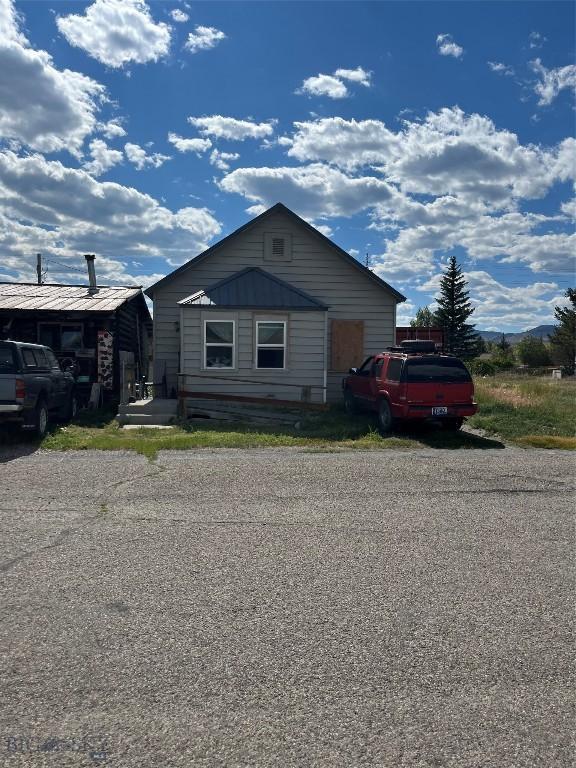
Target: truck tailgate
(7, 387)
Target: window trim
(206, 344)
(283, 347)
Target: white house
(274, 310)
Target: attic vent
(277, 246)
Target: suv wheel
(385, 420)
(350, 403)
(41, 418)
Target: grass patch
(333, 430)
(549, 441)
(539, 413)
(329, 431)
(532, 412)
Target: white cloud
(447, 46)
(324, 85)
(347, 143)
(405, 312)
(333, 85)
(220, 127)
(179, 16)
(569, 208)
(315, 191)
(63, 211)
(43, 107)
(189, 145)
(222, 160)
(138, 157)
(323, 228)
(103, 158)
(501, 69)
(448, 153)
(357, 75)
(116, 32)
(552, 81)
(536, 40)
(10, 22)
(112, 129)
(203, 39)
(449, 180)
(499, 306)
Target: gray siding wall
(304, 355)
(315, 268)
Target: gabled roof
(278, 208)
(253, 288)
(69, 298)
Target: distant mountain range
(541, 331)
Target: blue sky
(144, 132)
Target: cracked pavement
(287, 608)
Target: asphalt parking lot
(287, 608)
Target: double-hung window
(219, 344)
(270, 344)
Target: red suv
(411, 382)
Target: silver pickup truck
(33, 388)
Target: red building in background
(421, 334)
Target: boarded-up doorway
(347, 346)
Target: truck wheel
(40, 418)
(350, 403)
(385, 420)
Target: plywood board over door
(347, 345)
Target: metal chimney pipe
(39, 267)
(91, 272)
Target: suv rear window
(7, 359)
(394, 369)
(428, 369)
(29, 358)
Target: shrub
(481, 367)
(533, 352)
(503, 361)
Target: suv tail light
(20, 389)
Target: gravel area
(287, 608)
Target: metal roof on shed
(253, 288)
(69, 298)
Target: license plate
(440, 411)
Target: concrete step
(152, 406)
(145, 419)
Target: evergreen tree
(563, 338)
(454, 309)
(424, 318)
(503, 344)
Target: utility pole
(39, 267)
